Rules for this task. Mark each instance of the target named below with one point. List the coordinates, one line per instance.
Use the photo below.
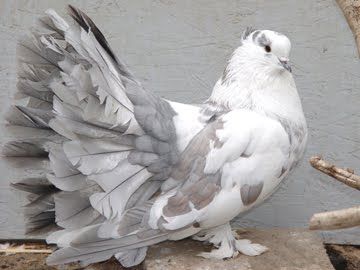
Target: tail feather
(74, 86)
(59, 164)
(86, 23)
(38, 117)
(35, 91)
(24, 148)
(73, 210)
(32, 51)
(39, 212)
(47, 23)
(68, 183)
(101, 242)
(82, 249)
(131, 257)
(17, 116)
(38, 186)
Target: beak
(285, 63)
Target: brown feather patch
(249, 193)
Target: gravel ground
(342, 257)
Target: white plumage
(131, 169)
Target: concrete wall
(179, 48)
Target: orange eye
(267, 48)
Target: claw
(218, 254)
(200, 238)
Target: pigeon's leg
(227, 246)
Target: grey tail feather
(28, 117)
(36, 65)
(39, 117)
(24, 148)
(39, 212)
(130, 250)
(131, 257)
(127, 258)
(73, 210)
(86, 23)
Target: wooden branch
(25, 248)
(340, 219)
(351, 10)
(17, 250)
(345, 176)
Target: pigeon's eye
(267, 48)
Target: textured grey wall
(179, 48)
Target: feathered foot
(227, 246)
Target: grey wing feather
(195, 189)
(144, 193)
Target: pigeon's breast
(249, 179)
(246, 182)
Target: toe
(219, 253)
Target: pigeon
(128, 169)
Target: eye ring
(267, 48)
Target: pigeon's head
(268, 48)
(257, 71)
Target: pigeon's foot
(226, 245)
(251, 249)
(223, 252)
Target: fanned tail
(108, 142)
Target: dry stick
(351, 10)
(340, 219)
(8, 249)
(16, 250)
(345, 176)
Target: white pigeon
(129, 169)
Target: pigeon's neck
(256, 87)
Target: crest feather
(247, 32)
